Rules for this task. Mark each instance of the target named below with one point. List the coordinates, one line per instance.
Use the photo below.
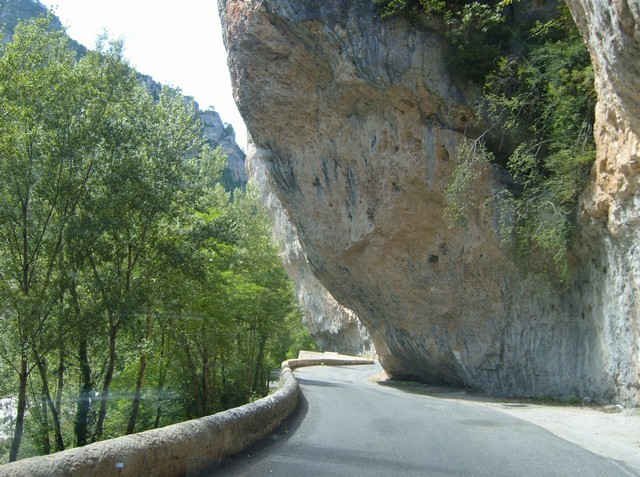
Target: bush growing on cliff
(537, 105)
(536, 222)
(471, 159)
(476, 30)
(543, 104)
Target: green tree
(143, 144)
(134, 290)
(44, 169)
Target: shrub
(538, 104)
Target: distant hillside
(12, 11)
(216, 132)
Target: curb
(179, 449)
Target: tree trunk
(47, 401)
(61, 370)
(135, 405)
(193, 406)
(58, 403)
(44, 426)
(161, 378)
(85, 391)
(224, 401)
(204, 403)
(106, 384)
(22, 406)
(83, 406)
(258, 375)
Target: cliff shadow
(470, 395)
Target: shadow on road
(314, 382)
(422, 389)
(466, 394)
(269, 444)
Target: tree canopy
(134, 290)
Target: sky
(177, 43)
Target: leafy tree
(44, 169)
(134, 290)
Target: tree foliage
(477, 31)
(134, 291)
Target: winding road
(348, 425)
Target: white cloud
(177, 43)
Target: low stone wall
(302, 362)
(180, 449)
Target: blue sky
(178, 43)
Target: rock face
(612, 32)
(12, 11)
(358, 126)
(333, 327)
(223, 136)
(611, 204)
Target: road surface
(349, 426)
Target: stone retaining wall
(180, 449)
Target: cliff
(359, 124)
(611, 204)
(333, 327)
(13, 11)
(222, 135)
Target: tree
(143, 144)
(125, 267)
(44, 170)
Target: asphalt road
(350, 426)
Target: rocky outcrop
(217, 135)
(223, 136)
(12, 11)
(359, 125)
(333, 327)
(611, 203)
(612, 32)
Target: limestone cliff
(611, 203)
(222, 135)
(12, 11)
(358, 125)
(333, 327)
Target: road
(348, 425)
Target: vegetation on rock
(134, 290)
(537, 106)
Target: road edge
(184, 448)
